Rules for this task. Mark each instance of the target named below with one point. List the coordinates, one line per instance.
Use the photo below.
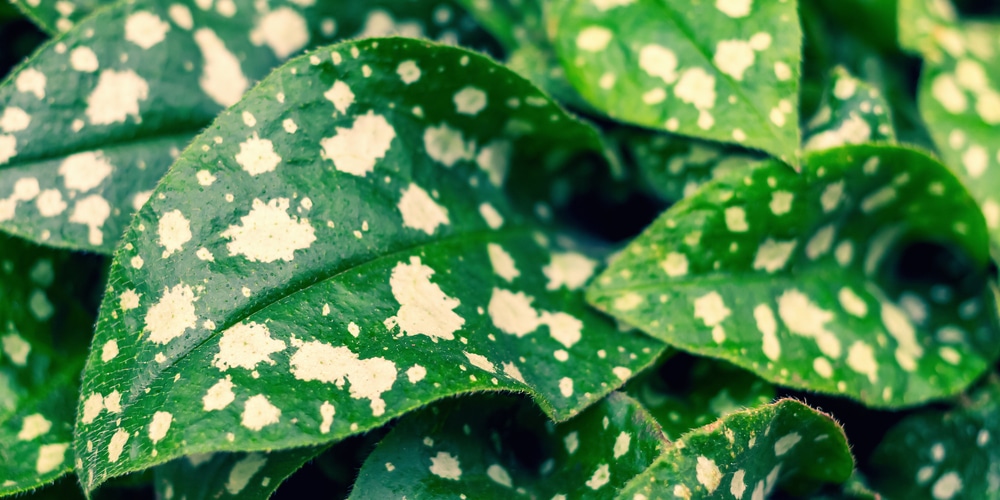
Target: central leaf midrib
(281, 295)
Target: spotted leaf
(673, 166)
(54, 16)
(43, 338)
(302, 272)
(684, 393)
(959, 95)
(96, 116)
(490, 448)
(786, 445)
(230, 475)
(942, 455)
(724, 70)
(851, 112)
(865, 275)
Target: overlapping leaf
(98, 115)
(230, 475)
(684, 393)
(959, 95)
(725, 71)
(943, 455)
(851, 112)
(673, 166)
(305, 271)
(801, 278)
(785, 445)
(494, 448)
(44, 332)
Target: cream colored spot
(257, 156)
(369, 378)
(171, 315)
(268, 233)
(145, 29)
(424, 309)
(173, 231)
(420, 211)
(355, 150)
(258, 413)
(245, 345)
(222, 77)
(116, 97)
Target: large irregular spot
(443, 451)
(797, 277)
(305, 302)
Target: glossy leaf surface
(865, 275)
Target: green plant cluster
(552, 249)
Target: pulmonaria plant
(554, 249)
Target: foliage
(555, 249)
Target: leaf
(942, 455)
(959, 96)
(360, 224)
(226, 475)
(851, 112)
(803, 279)
(786, 444)
(43, 336)
(674, 166)
(492, 448)
(724, 71)
(684, 393)
(98, 115)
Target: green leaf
(673, 166)
(226, 475)
(851, 112)
(943, 455)
(684, 393)
(786, 444)
(98, 115)
(360, 224)
(492, 448)
(724, 71)
(959, 95)
(43, 338)
(801, 278)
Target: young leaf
(749, 454)
(943, 455)
(97, 116)
(725, 71)
(44, 336)
(491, 448)
(310, 269)
(851, 112)
(241, 475)
(959, 95)
(684, 393)
(865, 275)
